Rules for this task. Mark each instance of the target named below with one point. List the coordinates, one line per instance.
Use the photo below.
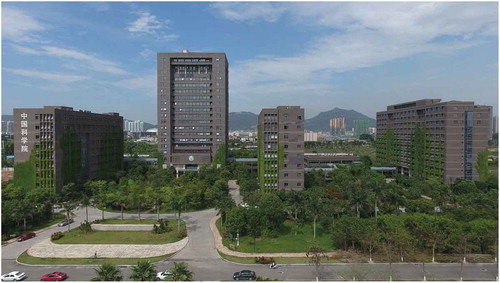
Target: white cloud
(20, 27)
(146, 84)
(146, 53)
(90, 61)
(240, 11)
(354, 36)
(100, 6)
(149, 24)
(48, 76)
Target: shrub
(264, 260)
(182, 234)
(56, 236)
(86, 227)
(162, 227)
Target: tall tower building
(429, 138)
(361, 127)
(281, 148)
(337, 126)
(192, 109)
(55, 145)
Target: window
(299, 184)
(299, 117)
(286, 184)
(299, 174)
(285, 136)
(299, 127)
(285, 127)
(285, 174)
(285, 146)
(285, 116)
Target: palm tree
(143, 271)
(86, 201)
(69, 207)
(357, 196)
(181, 273)
(108, 272)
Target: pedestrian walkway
(48, 249)
(223, 249)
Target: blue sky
(101, 56)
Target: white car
(164, 274)
(13, 276)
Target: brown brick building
(450, 136)
(281, 148)
(56, 145)
(192, 109)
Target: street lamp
(238, 238)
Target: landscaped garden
(81, 236)
(289, 239)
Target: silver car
(65, 222)
(13, 276)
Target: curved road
(207, 265)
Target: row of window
(193, 121)
(190, 103)
(192, 109)
(192, 60)
(193, 134)
(192, 115)
(193, 128)
(192, 85)
(191, 90)
(192, 140)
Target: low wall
(122, 227)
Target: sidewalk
(221, 248)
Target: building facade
(494, 127)
(134, 126)
(192, 109)
(337, 126)
(310, 136)
(361, 127)
(56, 145)
(281, 148)
(429, 138)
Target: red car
(25, 236)
(54, 276)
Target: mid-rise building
(56, 145)
(134, 126)
(429, 138)
(337, 126)
(8, 127)
(281, 148)
(192, 109)
(361, 127)
(310, 136)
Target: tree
(366, 137)
(181, 273)
(176, 197)
(314, 208)
(254, 224)
(482, 165)
(357, 196)
(69, 206)
(86, 201)
(316, 255)
(294, 201)
(434, 230)
(108, 272)
(369, 235)
(375, 183)
(235, 220)
(143, 271)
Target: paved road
(205, 262)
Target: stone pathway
(48, 249)
(223, 249)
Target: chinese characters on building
(24, 133)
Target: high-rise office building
(337, 126)
(361, 127)
(281, 148)
(429, 138)
(8, 127)
(192, 109)
(55, 145)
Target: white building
(134, 126)
(310, 136)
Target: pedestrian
(95, 254)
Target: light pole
(238, 238)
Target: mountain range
(241, 121)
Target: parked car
(57, 206)
(163, 275)
(54, 276)
(65, 222)
(25, 236)
(245, 275)
(13, 276)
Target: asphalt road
(207, 265)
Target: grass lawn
(25, 258)
(287, 242)
(134, 221)
(76, 236)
